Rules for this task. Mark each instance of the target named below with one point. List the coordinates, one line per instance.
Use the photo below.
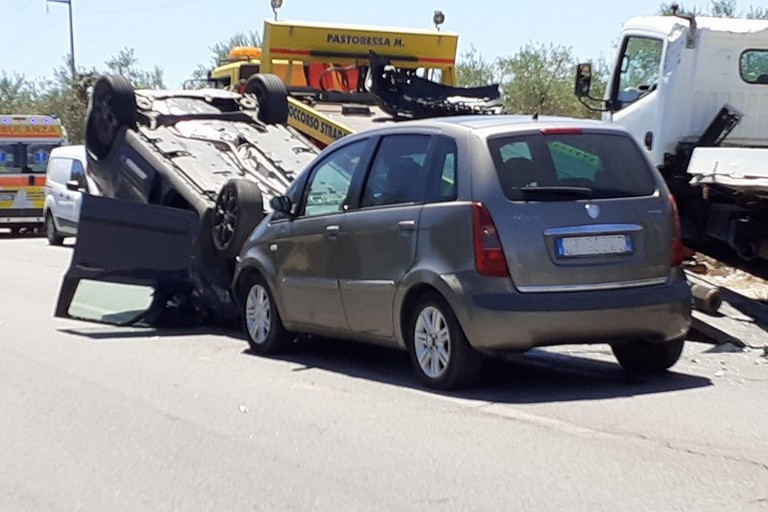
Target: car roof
(486, 125)
(516, 121)
(74, 151)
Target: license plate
(593, 245)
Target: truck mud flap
(131, 261)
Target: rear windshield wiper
(555, 190)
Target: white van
(65, 184)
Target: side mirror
(73, 186)
(281, 204)
(583, 80)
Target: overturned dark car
(185, 178)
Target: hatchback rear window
(561, 166)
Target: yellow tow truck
(341, 79)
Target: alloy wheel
(258, 314)
(432, 342)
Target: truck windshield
(24, 158)
(639, 72)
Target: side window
(753, 66)
(441, 185)
(58, 170)
(639, 73)
(78, 173)
(397, 172)
(327, 189)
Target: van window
(78, 173)
(568, 165)
(58, 170)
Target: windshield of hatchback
(558, 166)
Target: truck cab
(693, 91)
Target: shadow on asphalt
(7, 235)
(102, 332)
(537, 376)
(534, 377)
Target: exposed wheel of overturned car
(113, 104)
(272, 96)
(239, 208)
(645, 357)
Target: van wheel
(239, 209)
(113, 104)
(272, 96)
(440, 352)
(15, 231)
(54, 238)
(645, 357)
(261, 322)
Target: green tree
(17, 94)
(718, 9)
(540, 78)
(473, 70)
(124, 63)
(65, 97)
(723, 9)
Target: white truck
(694, 93)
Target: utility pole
(71, 34)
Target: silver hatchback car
(458, 237)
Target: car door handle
(407, 225)
(332, 231)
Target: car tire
(239, 209)
(439, 350)
(645, 357)
(262, 325)
(53, 236)
(113, 104)
(272, 96)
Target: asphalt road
(97, 418)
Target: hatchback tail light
(489, 256)
(678, 250)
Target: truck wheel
(261, 322)
(645, 357)
(113, 104)
(239, 208)
(54, 238)
(440, 352)
(272, 96)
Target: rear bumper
(520, 321)
(12, 217)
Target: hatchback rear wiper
(570, 191)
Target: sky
(176, 35)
